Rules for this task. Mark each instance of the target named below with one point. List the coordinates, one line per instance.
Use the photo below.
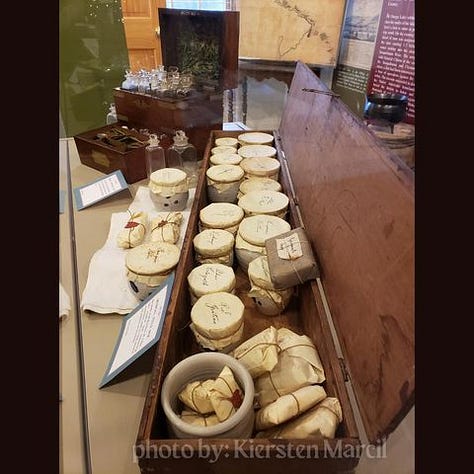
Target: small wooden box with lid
(355, 200)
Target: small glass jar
(227, 141)
(221, 215)
(225, 159)
(252, 234)
(214, 246)
(255, 138)
(261, 168)
(257, 151)
(223, 149)
(210, 278)
(217, 317)
(258, 184)
(169, 189)
(223, 182)
(148, 265)
(268, 301)
(271, 203)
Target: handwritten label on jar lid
(289, 248)
(218, 311)
(210, 275)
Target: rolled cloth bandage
(289, 406)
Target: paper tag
(140, 330)
(100, 189)
(289, 248)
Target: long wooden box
(355, 199)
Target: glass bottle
(182, 154)
(112, 115)
(154, 155)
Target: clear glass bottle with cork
(154, 155)
(183, 155)
(112, 115)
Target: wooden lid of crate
(356, 199)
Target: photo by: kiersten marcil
(212, 452)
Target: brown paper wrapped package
(290, 259)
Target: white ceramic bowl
(203, 366)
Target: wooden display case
(203, 43)
(355, 199)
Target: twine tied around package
(203, 416)
(290, 259)
(192, 396)
(164, 222)
(281, 351)
(131, 225)
(251, 348)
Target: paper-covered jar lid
(211, 278)
(256, 229)
(217, 315)
(225, 173)
(259, 184)
(222, 149)
(152, 258)
(260, 166)
(256, 151)
(255, 138)
(168, 179)
(221, 215)
(227, 141)
(225, 159)
(213, 242)
(264, 202)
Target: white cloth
(64, 302)
(107, 289)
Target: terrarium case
(202, 43)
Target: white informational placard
(140, 330)
(99, 190)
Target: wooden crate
(105, 158)
(355, 199)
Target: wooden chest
(356, 201)
(101, 156)
(197, 114)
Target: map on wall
(290, 30)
